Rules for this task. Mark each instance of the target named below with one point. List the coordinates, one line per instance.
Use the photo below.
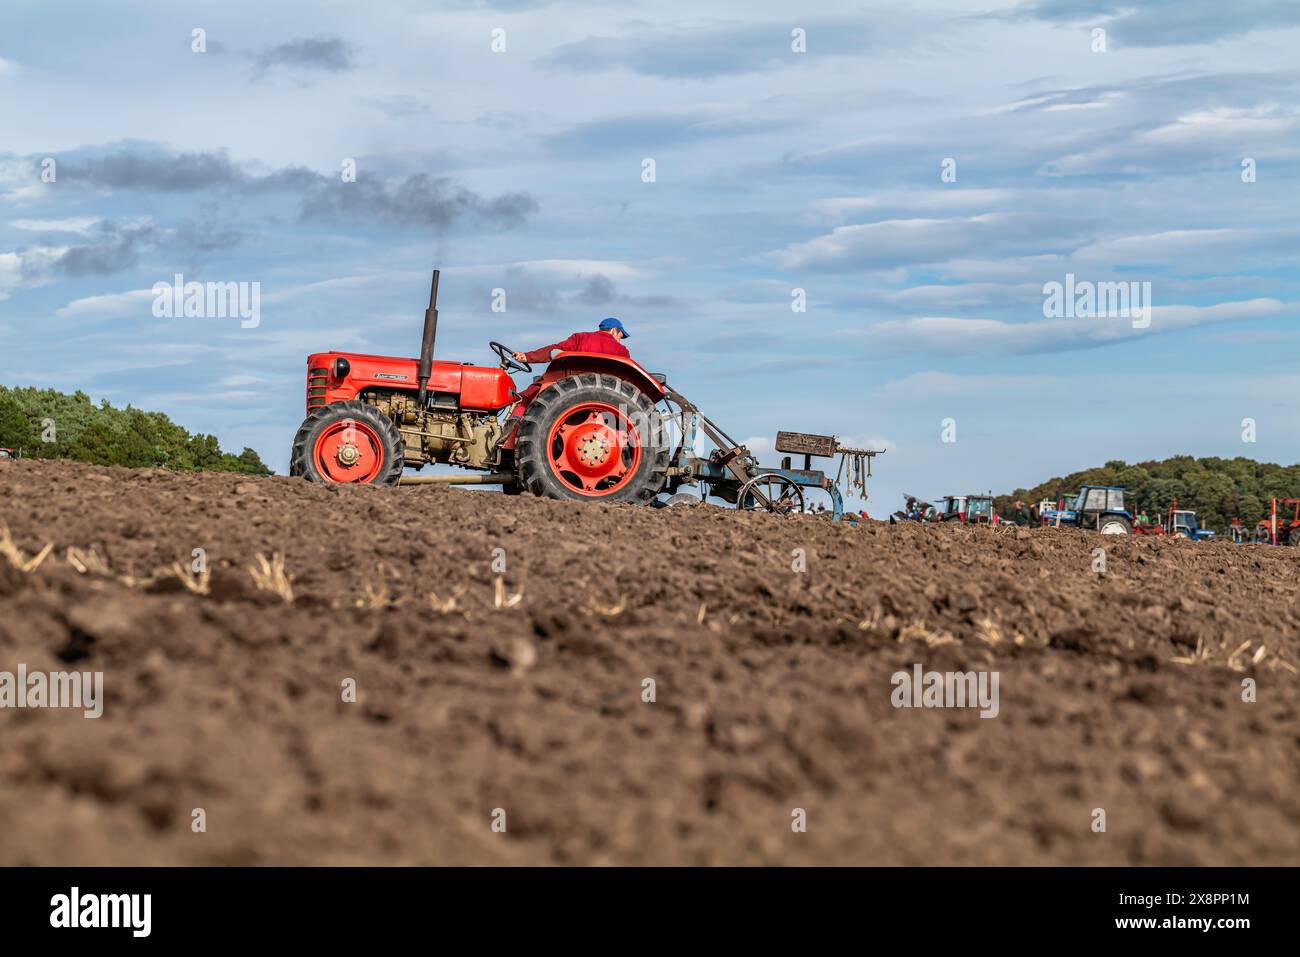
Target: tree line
(48, 424)
(1218, 490)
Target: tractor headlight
(341, 368)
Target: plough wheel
(770, 492)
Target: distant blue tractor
(1099, 507)
(1183, 525)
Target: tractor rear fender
(572, 363)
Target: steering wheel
(508, 360)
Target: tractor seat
(659, 377)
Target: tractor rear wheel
(349, 442)
(591, 436)
(1114, 525)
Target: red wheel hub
(594, 449)
(349, 451)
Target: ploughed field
(519, 698)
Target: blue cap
(612, 323)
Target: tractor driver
(606, 339)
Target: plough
(732, 473)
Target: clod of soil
(353, 678)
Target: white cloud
(235, 381)
(27, 268)
(1059, 101)
(939, 198)
(946, 335)
(11, 272)
(79, 224)
(375, 280)
(964, 295)
(1174, 246)
(1220, 134)
(109, 306)
(1003, 269)
(894, 242)
(1222, 126)
(559, 269)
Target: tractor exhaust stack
(426, 341)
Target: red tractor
(598, 430)
(593, 431)
(1282, 527)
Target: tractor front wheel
(592, 436)
(348, 442)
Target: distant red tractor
(1282, 527)
(592, 432)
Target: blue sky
(775, 170)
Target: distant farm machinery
(964, 509)
(1098, 507)
(1282, 527)
(1175, 523)
(967, 509)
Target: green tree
(46, 423)
(15, 427)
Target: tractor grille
(316, 379)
